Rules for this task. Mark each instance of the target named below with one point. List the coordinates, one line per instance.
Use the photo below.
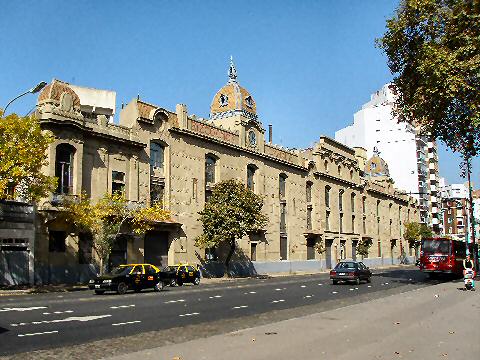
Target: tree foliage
(23, 152)
(105, 219)
(363, 246)
(231, 212)
(415, 232)
(433, 51)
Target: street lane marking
(369, 286)
(127, 323)
(250, 292)
(39, 333)
(277, 301)
(190, 314)
(58, 312)
(174, 301)
(23, 308)
(334, 292)
(320, 284)
(240, 307)
(73, 318)
(303, 286)
(122, 306)
(351, 289)
(308, 296)
(278, 289)
(215, 297)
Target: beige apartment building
(328, 197)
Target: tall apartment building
(411, 157)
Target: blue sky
(308, 64)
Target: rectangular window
(352, 203)
(309, 218)
(353, 223)
(194, 188)
(310, 249)
(309, 192)
(283, 216)
(282, 186)
(364, 226)
(341, 223)
(364, 205)
(327, 220)
(156, 155)
(208, 194)
(340, 200)
(253, 251)
(327, 196)
(283, 248)
(157, 192)
(379, 249)
(251, 177)
(57, 241)
(118, 182)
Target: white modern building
(412, 159)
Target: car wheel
(196, 281)
(99, 292)
(357, 281)
(122, 288)
(159, 286)
(334, 282)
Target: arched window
(156, 155)
(251, 177)
(339, 170)
(351, 174)
(325, 164)
(282, 180)
(210, 163)
(309, 191)
(340, 200)
(64, 168)
(327, 196)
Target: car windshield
(170, 268)
(435, 247)
(345, 265)
(121, 270)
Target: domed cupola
(232, 99)
(376, 166)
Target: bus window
(435, 246)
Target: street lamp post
(33, 90)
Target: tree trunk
(229, 256)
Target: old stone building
(321, 198)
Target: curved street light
(33, 90)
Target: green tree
(105, 219)
(232, 211)
(433, 51)
(415, 232)
(23, 153)
(363, 246)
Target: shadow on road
(415, 276)
(3, 330)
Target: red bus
(443, 256)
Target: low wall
(73, 274)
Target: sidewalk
(435, 322)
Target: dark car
(130, 277)
(354, 271)
(183, 273)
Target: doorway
(156, 248)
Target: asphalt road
(46, 321)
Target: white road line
(278, 289)
(308, 296)
(174, 301)
(215, 296)
(58, 312)
(386, 283)
(351, 289)
(191, 314)
(240, 307)
(39, 333)
(303, 286)
(277, 301)
(334, 292)
(122, 306)
(250, 292)
(127, 323)
(73, 318)
(320, 284)
(23, 309)
(369, 286)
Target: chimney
(270, 133)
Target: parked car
(183, 273)
(130, 277)
(354, 271)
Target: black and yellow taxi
(131, 277)
(183, 273)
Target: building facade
(417, 173)
(319, 202)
